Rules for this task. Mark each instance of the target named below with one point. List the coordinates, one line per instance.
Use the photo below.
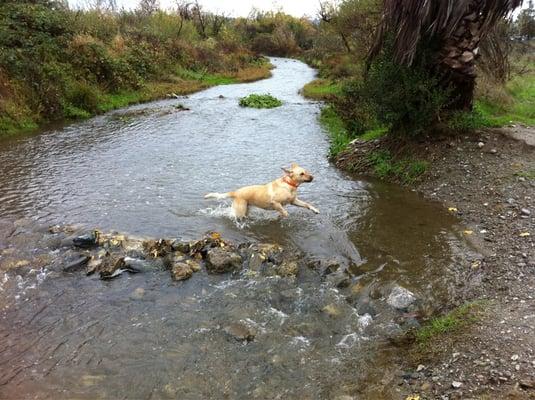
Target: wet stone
(240, 332)
(400, 298)
(288, 268)
(339, 279)
(181, 271)
(222, 259)
(112, 267)
(86, 241)
(76, 264)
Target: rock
(76, 264)
(86, 241)
(157, 248)
(194, 265)
(339, 279)
(240, 332)
(138, 293)
(222, 259)
(288, 268)
(426, 386)
(525, 211)
(400, 298)
(112, 267)
(480, 144)
(366, 308)
(331, 310)
(93, 265)
(456, 384)
(493, 151)
(181, 271)
(179, 245)
(527, 383)
(515, 357)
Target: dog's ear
(286, 171)
(294, 165)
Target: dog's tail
(219, 196)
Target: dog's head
(298, 174)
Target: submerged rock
(240, 332)
(222, 259)
(339, 279)
(400, 298)
(76, 264)
(288, 268)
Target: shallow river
(143, 171)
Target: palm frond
(411, 21)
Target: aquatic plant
(260, 101)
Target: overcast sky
(236, 8)
(297, 8)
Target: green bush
(406, 99)
(260, 101)
(463, 121)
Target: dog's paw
(315, 210)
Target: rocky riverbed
(487, 180)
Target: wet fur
(271, 196)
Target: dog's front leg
(304, 204)
(279, 208)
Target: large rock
(400, 298)
(181, 271)
(288, 268)
(222, 259)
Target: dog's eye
(302, 173)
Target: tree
(526, 22)
(444, 35)
(148, 7)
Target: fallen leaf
(524, 234)
(468, 232)
(452, 209)
(413, 397)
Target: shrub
(260, 101)
(408, 100)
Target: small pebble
(456, 384)
(525, 211)
(480, 144)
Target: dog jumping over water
(271, 196)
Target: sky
(235, 8)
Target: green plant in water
(260, 101)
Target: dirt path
(488, 179)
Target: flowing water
(144, 170)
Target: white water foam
(226, 211)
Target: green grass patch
(405, 170)
(205, 77)
(520, 110)
(526, 174)
(260, 101)
(449, 323)
(335, 127)
(373, 134)
(322, 89)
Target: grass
(449, 323)
(520, 108)
(405, 170)
(322, 89)
(339, 135)
(335, 127)
(185, 82)
(526, 174)
(260, 101)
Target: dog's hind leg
(278, 206)
(240, 208)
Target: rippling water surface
(143, 171)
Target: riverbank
(487, 179)
(184, 83)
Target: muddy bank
(488, 181)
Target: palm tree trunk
(457, 59)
